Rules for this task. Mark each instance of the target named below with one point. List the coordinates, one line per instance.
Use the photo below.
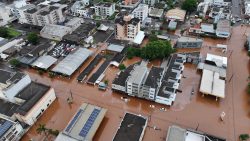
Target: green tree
(106, 81)
(133, 52)
(4, 32)
(41, 129)
(122, 67)
(98, 24)
(189, 5)
(244, 137)
(156, 49)
(14, 62)
(33, 38)
(152, 37)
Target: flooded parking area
(190, 110)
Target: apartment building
(104, 9)
(136, 80)
(79, 8)
(127, 28)
(189, 42)
(10, 130)
(44, 15)
(141, 12)
(150, 2)
(6, 15)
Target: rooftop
(31, 95)
(5, 125)
(44, 62)
(121, 79)
(115, 48)
(155, 12)
(84, 124)
(131, 129)
(154, 77)
(71, 63)
(10, 77)
(223, 26)
(177, 14)
(7, 108)
(55, 30)
(189, 39)
(138, 73)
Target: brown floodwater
(188, 111)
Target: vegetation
(189, 5)
(52, 75)
(14, 62)
(170, 3)
(156, 49)
(248, 53)
(98, 24)
(106, 82)
(42, 129)
(248, 88)
(8, 32)
(244, 137)
(33, 38)
(122, 67)
(112, 17)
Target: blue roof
(4, 127)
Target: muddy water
(189, 111)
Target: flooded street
(189, 110)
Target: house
(155, 12)
(104, 9)
(223, 29)
(188, 42)
(141, 12)
(176, 15)
(55, 32)
(74, 23)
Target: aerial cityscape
(124, 70)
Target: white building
(150, 2)
(104, 9)
(74, 23)
(141, 12)
(44, 15)
(79, 8)
(10, 130)
(223, 29)
(11, 83)
(247, 7)
(6, 15)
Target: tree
(156, 50)
(33, 38)
(4, 32)
(189, 5)
(106, 81)
(42, 129)
(14, 62)
(244, 137)
(98, 24)
(122, 67)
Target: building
(176, 133)
(11, 83)
(74, 23)
(130, 3)
(79, 8)
(176, 15)
(150, 2)
(104, 9)
(10, 130)
(157, 84)
(55, 32)
(136, 80)
(6, 15)
(223, 29)
(127, 28)
(188, 42)
(44, 15)
(213, 76)
(131, 128)
(34, 99)
(141, 12)
(221, 2)
(155, 12)
(84, 124)
(72, 62)
(247, 7)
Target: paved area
(189, 110)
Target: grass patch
(13, 33)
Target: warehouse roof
(71, 63)
(44, 62)
(115, 48)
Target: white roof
(191, 136)
(209, 28)
(44, 62)
(139, 37)
(211, 84)
(102, 27)
(220, 61)
(116, 48)
(55, 30)
(10, 44)
(69, 64)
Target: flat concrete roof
(84, 124)
(44, 62)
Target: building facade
(104, 9)
(141, 12)
(150, 2)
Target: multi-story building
(6, 15)
(127, 28)
(44, 15)
(10, 130)
(150, 2)
(79, 8)
(141, 12)
(189, 42)
(104, 9)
